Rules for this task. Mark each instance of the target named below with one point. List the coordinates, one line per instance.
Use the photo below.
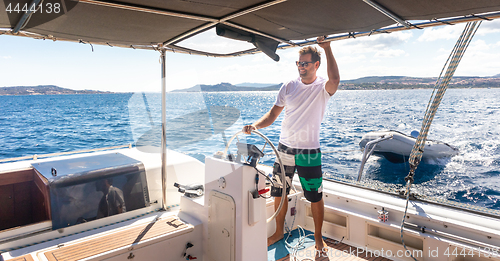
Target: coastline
(225, 87)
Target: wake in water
(447, 178)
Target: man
(112, 202)
(304, 100)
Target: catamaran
(148, 203)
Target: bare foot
(321, 247)
(274, 238)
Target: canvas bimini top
(165, 23)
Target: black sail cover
(149, 22)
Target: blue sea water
(467, 119)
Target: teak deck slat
(115, 240)
(23, 258)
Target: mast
(163, 127)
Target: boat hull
(193, 229)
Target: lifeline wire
(436, 97)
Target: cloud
(374, 68)
(389, 53)
(448, 32)
(375, 42)
(481, 59)
(351, 59)
(6, 57)
(489, 27)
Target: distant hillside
(403, 82)
(257, 85)
(389, 79)
(275, 87)
(42, 90)
(227, 87)
(364, 83)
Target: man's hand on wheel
(248, 129)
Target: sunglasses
(302, 64)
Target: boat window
(200, 123)
(95, 199)
(458, 180)
(93, 187)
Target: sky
(416, 53)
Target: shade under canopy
(147, 23)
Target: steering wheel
(283, 177)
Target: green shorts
(307, 162)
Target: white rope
(440, 89)
(436, 97)
(302, 235)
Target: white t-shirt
(305, 105)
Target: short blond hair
(315, 53)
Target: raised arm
(331, 67)
(265, 120)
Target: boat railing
(36, 156)
(367, 152)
